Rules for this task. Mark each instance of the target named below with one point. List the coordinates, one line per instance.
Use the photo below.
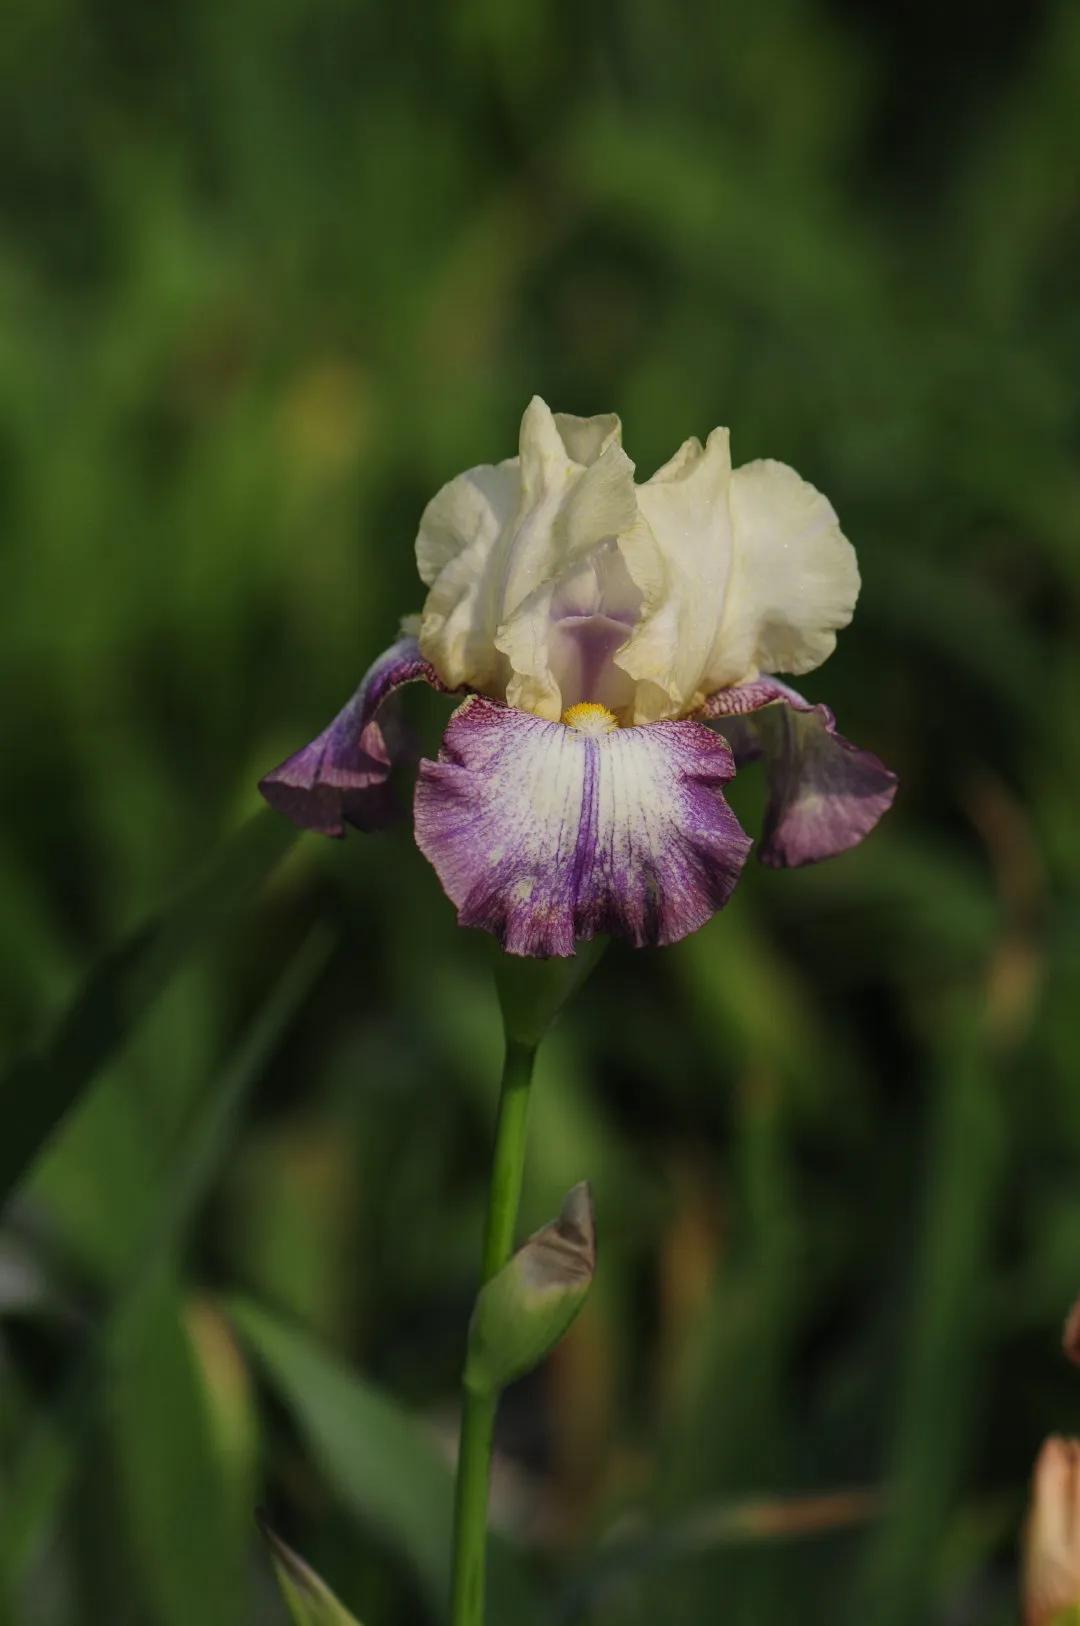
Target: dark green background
(270, 272)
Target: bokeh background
(271, 271)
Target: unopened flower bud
(527, 1306)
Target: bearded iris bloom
(617, 646)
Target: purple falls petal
(824, 794)
(545, 835)
(342, 776)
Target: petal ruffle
(794, 578)
(501, 546)
(824, 793)
(553, 578)
(685, 506)
(486, 541)
(584, 600)
(545, 835)
(457, 550)
(341, 777)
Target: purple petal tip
(341, 777)
(824, 793)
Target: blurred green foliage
(270, 273)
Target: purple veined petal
(544, 834)
(342, 776)
(824, 793)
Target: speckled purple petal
(341, 777)
(545, 835)
(824, 794)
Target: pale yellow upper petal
(554, 579)
(685, 508)
(794, 578)
(568, 577)
(495, 540)
(586, 438)
(456, 554)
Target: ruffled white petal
(794, 578)
(574, 572)
(502, 545)
(554, 578)
(586, 438)
(685, 506)
(456, 549)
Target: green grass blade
(379, 1461)
(184, 1528)
(40, 1086)
(936, 1413)
(39, 1475)
(310, 1601)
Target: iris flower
(617, 646)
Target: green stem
(478, 1415)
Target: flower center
(589, 717)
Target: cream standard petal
(456, 549)
(561, 641)
(586, 438)
(498, 533)
(579, 598)
(794, 579)
(567, 508)
(685, 507)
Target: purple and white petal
(342, 776)
(824, 793)
(546, 834)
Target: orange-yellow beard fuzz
(588, 717)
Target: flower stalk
(478, 1412)
(531, 995)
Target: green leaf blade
(380, 1462)
(40, 1086)
(309, 1600)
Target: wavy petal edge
(341, 777)
(545, 836)
(825, 794)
